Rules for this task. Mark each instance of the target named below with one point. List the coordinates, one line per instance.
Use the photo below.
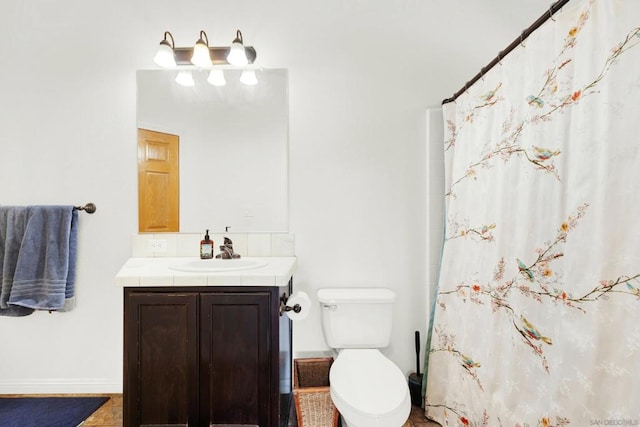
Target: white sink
(217, 265)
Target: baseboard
(60, 386)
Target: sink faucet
(226, 250)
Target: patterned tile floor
(110, 415)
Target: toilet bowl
(368, 389)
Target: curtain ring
(551, 13)
(500, 58)
(522, 39)
(482, 73)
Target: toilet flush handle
(330, 307)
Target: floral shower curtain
(537, 314)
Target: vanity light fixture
(236, 54)
(216, 77)
(164, 56)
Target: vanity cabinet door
(200, 358)
(239, 358)
(161, 359)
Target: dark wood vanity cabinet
(203, 356)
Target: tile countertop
(156, 272)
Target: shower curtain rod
(555, 7)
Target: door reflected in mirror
(233, 159)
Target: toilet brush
(415, 379)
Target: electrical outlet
(158, 245)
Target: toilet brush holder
(415, 388)
(415, 378)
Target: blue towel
(70, 288)
(13, 220)
(44, 274)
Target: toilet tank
(356, 317)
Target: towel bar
(88, 208)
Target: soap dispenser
(206, 247)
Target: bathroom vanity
(206, 348)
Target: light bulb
(248, 77)
(216, 78)
(201, 57)
(164, 56)
(237, 56)
(185, 78)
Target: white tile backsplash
(172, 244)
(259, 244)
(140, 245)
(188, 244)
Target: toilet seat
(368, 389)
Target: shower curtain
(537, 313)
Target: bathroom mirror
(233, 146)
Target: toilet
(368, 389)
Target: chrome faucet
(226, 250)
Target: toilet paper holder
(296, 308)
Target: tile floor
(110, 415)
(417, 419)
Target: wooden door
(239, 358)
(158, 182)
(160, 359)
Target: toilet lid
(367, 381)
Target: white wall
(362, 74)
